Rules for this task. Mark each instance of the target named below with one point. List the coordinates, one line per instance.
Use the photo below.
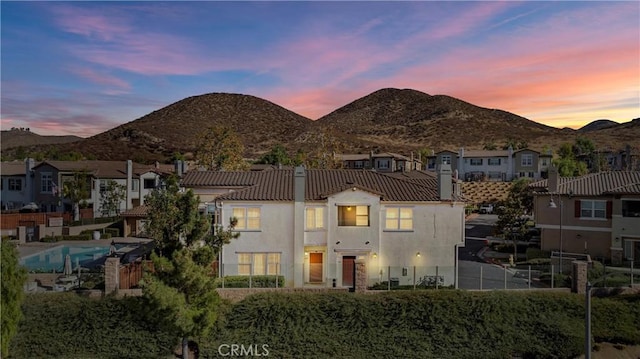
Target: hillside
(597, 125)
(391, 120)
(20, 137)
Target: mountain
(389, 120)
(597, 125)
(413, 119)
(17, 137)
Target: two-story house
(137, 179)
(596, 214)
(383, 162)
(17, 183)
(312, 225)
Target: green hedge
(257, 281)
(397, 324)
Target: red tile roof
(277, 185)
(595, 184)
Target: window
(544, 162)
(630, 208)
(135, 185)
(46, 180)
(149, 183)
(493, 162)
(353, 216)
(258, 263)
(526, 160)
(445, 159)
(15, 184)
(593, 209)
(359, 164)
(315, 218)
(103, 186)
(248, 218)
(476, 161)
(399, 219)
(383, 164)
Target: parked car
(486, 208)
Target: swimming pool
(52, 259)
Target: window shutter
(577, 208)
(609, 209)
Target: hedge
(257, 281)
(396, 324)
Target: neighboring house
(596, 214)
(50, 176)
(493, 165)
(382, 162)
(17, 183)
(312, 225)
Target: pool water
(52, 259)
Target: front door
(348, 270)
(315, 268)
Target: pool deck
(30, 248)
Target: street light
(552, 204)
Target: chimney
(413, 166)
(299, 183)
(177, 165)
(444, 182)
(371, 160)
(552, 182)
(128, 205)
(29, 164)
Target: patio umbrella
(112, 248)
(67, 270)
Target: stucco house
(596, 214)
(312, 225)
(48, 178)
(381, 162)
(16, 185)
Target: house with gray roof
(596, 214)
(16, 184)
(312, 225)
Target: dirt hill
(22, 137)
(390, 120)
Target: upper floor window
(15, 184)
(593, 209)
(544, 162)
(493, 162)
(475, 161)
(399, 218)
(383, 164)
(149, 183)
(445, 159)
(135, 185)
(526, 160)
(353, 216)
(315, 218)
(359, 164)
(103, 185)
(248, 218)
(630, 208)
(46, 180)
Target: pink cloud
(117, 85)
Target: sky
(83, 68)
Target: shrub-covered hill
(398, 324)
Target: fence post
(632, 273)
(505, 277)
(250, 274)
(480, 278)
(552, 277)
(529, 277)
(437, 278)
(277, 274)
(388, 277)
(414, 277)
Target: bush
(533, 253)
(257, 281)
(111, 232)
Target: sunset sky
(82, 68)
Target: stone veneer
(361, 276)
(579, 281)
(111, 275)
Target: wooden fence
(13, 220)
(131, 273)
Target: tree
(76, 190)
(220, 149)
(13, 279)
(490, 146)
(181, 286)
(277, 156)
(323, 146)
(111, 197)
(511, 214)
(173, 218)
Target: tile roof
(107, 169)
(139, 211)
(485, 153)
(13, 168)
(595, 184)
(277, 185)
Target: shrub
(534, 253)
(112, 232)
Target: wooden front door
(348, 270)
(315, 268)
